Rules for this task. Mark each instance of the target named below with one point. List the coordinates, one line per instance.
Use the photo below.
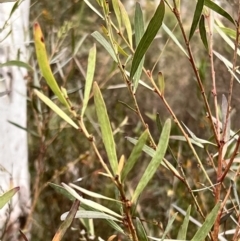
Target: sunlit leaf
(149, 35)
(117, 12)
(44, 64)
(94, 9)
(92, 194)
(203, 231)
(6, 197)
(196, 17)
(89, 77)
(229, 32)
(126, 22)
(56, 109)
(91, 203)
(155, 162)
(161, 82)
(67, 223)
(89, 215)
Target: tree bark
(13, 140)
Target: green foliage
(130, 198)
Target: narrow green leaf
(218, 9)
(141, 232)
(94, 9)
(44, 64)
(203, 33)
(79, 44)
(90, 203)
(169, 226)
(90, 214)
(195, 138)
(229, 32)
(135, 154)
(155, 162)
(161, 82)
(106, 129)
(56, 109)
(152, 152)
(62, 191)
(25, 129)
(89, 77)
(182, 234)
(92, 194)
(67, 223)
(126, 22)
(228, 64)
(6, 197)
(150, 33)
(202, 232)
(105, 44)
(196, 17)
(17, 63)
(175, 40)
(139, 31)
(116, 226)
(117, 12)
(138, 23)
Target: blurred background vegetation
(58, 154)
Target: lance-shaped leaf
(89, 77)
(135, 154)
(105, 44)
(116, 9)
(203, 231)
(91, 203)
(67, 223)
(150, 33)
(126, 22)
(90, 214)
(182, 234)
(169, 226)
(141, 232)
(152, 152)
(196, 17)
(203, 33)
(174, 39)
(156, 160)
(212, 5)
(106, 129)
(56, 109)
(139, 31)
(6, 197)
(92, 194)
(17, 63)
(62, 191)
(44, 64)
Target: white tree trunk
(13, 140)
